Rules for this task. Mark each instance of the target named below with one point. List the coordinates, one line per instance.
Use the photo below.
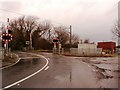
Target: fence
(85, 52)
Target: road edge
(11, 64)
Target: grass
(10, 58)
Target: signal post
(6, 38)
(55, 41)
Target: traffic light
(10, 31)
(60, 38)
(55, 40)
(6, 37)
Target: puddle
(29, 62)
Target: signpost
(60, 46)
(27, 42)
(7, 37)
(56, 42)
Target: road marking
(18, 84)
(29, 75)
(46, 68)
(12, 64)
(89, 67)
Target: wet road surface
(21, 70)
(63, 72)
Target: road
(61, 72)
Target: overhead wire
(11, 11)
(61, 24)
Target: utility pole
(70, 35)
(49, 39)
(31, 41)
(49, 35)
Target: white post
(31, 41)
(54, 49)
(59, 47)
(62, 50)
(7, 47)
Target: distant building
(86, 49)
(107, 47)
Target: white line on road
(29, 75)
(18, 84)
(89, 67)
(46, 68)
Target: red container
(107, 46)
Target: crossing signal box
(10, 31)
(55, 40)
(6, 37)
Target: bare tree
(86, 41)
(25, 24)
(44, 28)
(62, 34)
(75, 38)
(27, 28)
(22, 28)
(116, 30)
(40, 35)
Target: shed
(107, 47)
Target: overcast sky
(91, 19)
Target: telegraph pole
(7, 45)
(70, 35)
(49, 35)
(31, 41)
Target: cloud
(11, 5)
(90, 17)
(9, 9)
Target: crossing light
(10, 31)
(6, 37)
(55, 40)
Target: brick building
(107, 47)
